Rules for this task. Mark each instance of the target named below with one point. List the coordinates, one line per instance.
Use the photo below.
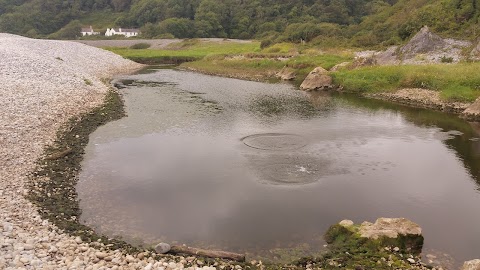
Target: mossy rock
(384, 233)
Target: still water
(264, 168)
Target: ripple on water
(275, 141)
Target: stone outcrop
(425, 48)
(317, 79)
(472, 265)
(286, 74)
(473, 111)
(389, 227)
(423, 42)
(385, 232)
(387, 57)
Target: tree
(70, 31)
(178, 27)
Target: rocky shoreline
(45, 84)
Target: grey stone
(389, 227)
(423, 42)
(346, 223)
(317, 79)
(286, 74)
(162, 248)
(100, 255)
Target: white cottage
(122, 31)
(88, 31)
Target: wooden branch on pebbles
(60, 154)
(208, 253)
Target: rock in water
(346, 223)
(472, 265)
(317, 79)
(286, 74)
(389, 227)
(162, 248)
(397, 232)
(423, 42)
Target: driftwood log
(208, 253)
(60, 154)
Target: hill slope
(362, 22)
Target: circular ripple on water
(292, 169)
(275, 141)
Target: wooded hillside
(362, 22)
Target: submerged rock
(385, 232)
(317, 79)
(471, 265)
(286, 74)
(162, 248)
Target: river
(265, 168)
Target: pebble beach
(44, 83)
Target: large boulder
(472, 265)
(389, 227)
(385, 232)
(286, 74)
(423, 42)
(317, 79)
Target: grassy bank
(185, 51)
(455, 82)
(239, 60)
(264, 66)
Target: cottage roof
(87, 29)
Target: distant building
(89, 31)
(122, 31)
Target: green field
(456, 82)
(187, 50)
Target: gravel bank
(44, 83)
(422, 98)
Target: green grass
(263, 66)
(188, 50)
(254, 63)
(460, 82)
(258, 69)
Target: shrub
(446, 59)
(139, 46)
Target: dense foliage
(365, 22)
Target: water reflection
(255, 167)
